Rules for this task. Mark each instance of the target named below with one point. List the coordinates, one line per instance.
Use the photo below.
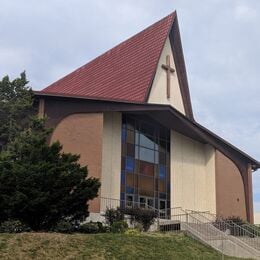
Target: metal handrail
(206, 225)
(210, 233)
(233, 229)
(251, 234)
(256, 229)
(254, 232)
(114, 203)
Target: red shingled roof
(123, 73)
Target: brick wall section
(230, 194)
(82, 134)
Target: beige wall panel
(111, 157)
(192, 174)
(158, 92)
(229, 188)
(176, 194)
(82, 134)
(210, 168)
(257, 218)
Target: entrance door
(146, 202)
(129, 200)
(162, 204)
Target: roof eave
(255, 164)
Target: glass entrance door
(146, 202)
(163, 208)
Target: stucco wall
(229, 188)
(257, 218)
(192, 174)
(111, 157)
(158, 92)
(82, 134)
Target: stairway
(226, 237)
(204, 227)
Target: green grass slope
(103, 246)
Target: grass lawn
(103, 246)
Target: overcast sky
(221, 41)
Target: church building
(128, 113)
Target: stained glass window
(145, 176)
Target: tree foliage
(16, 107)
(39, 184)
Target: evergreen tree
(16, 107)
(39, 184)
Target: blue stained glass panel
(129, 164)
(122, 178)
(162, 171)
(130, 190)
(123, 135)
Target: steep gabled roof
(126, 72)
(123, 73)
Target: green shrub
(113, 215)
(102, 228)
(13, 226)
(93, 227)
(89, 228)
(231, 224)
(64, 226)
(119, 227)
(145, 217)
(235, 219)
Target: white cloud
(244, 12)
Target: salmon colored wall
(230, 194)
(82, 134)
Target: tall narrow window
(145, 178)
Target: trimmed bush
(92, 228)
(119, 227)
(145, 217)
(232, 225)
(114, 215)
(13, 226)
(64, 226)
